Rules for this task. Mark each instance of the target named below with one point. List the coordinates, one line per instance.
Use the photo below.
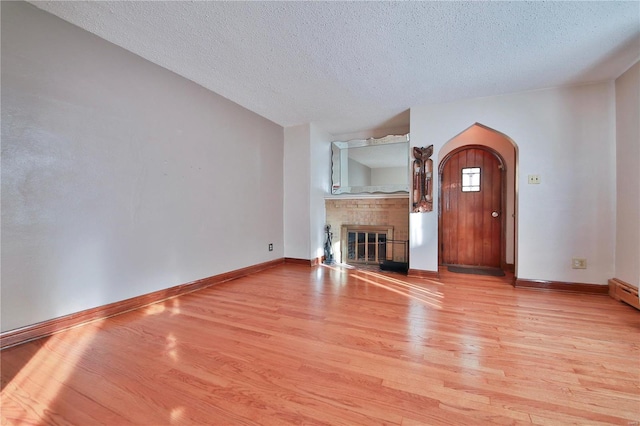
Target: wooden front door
(471, 208)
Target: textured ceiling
(349, 66)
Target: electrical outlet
(534, 179)
(270, 246)
(578, 263)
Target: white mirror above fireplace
(370, 165)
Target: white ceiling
(350, 66)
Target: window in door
(471, 179)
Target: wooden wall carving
(422, 196)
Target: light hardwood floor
(324, 345)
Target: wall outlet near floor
(534, 179)
(578, 263)
(270, 246)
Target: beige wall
(367, 211)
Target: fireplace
(366, 244)
(379, 229)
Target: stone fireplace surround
(382, 211)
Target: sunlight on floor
(402, 282)
(163, 306)
(171, 348)
(392, 284)
(412, 291)
(48, 370)
(155, 309)
(176, 306)
(176, 415)
(342, 268)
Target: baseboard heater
(624, 292)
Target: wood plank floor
(300, 345)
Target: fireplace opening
(366, 246)
(373, 245)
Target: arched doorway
(506, 151)
(471, 207)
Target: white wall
(320, 187)
(297, 204)
(120, 178)
(307, 177)
(627, 266)
(566, 135)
